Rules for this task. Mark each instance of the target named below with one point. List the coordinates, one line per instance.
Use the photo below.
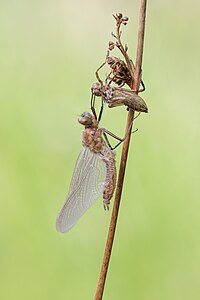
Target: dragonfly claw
(106, 205)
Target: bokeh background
(49, 53)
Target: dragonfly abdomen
(92, 138)
(110, 181)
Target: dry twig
(113, 222)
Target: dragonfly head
(88, 120)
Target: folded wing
(86, 186)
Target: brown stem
(123, 51)
(113, 222)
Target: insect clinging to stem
(94, 173)
(115, 96)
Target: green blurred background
(49, 52)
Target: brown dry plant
(135, 72)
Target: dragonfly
(94, 173)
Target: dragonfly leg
(142, 89)
(107, 140)
(92, 102)
(108, 77)
(114, 78)
(97, 72)
(92, 106)
(136, 116)
(101, 110)
(105, 131)
(101, 66)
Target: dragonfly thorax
(92, 138)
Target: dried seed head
(119, 15)
(121, 19)
(111, 45)
(124, 20)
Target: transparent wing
(86, 186)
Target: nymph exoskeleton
(114, 95)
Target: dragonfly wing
(86, 186)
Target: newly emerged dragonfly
(94, 174)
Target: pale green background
(49, 51)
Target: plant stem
(123, 51)
(113, 222)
